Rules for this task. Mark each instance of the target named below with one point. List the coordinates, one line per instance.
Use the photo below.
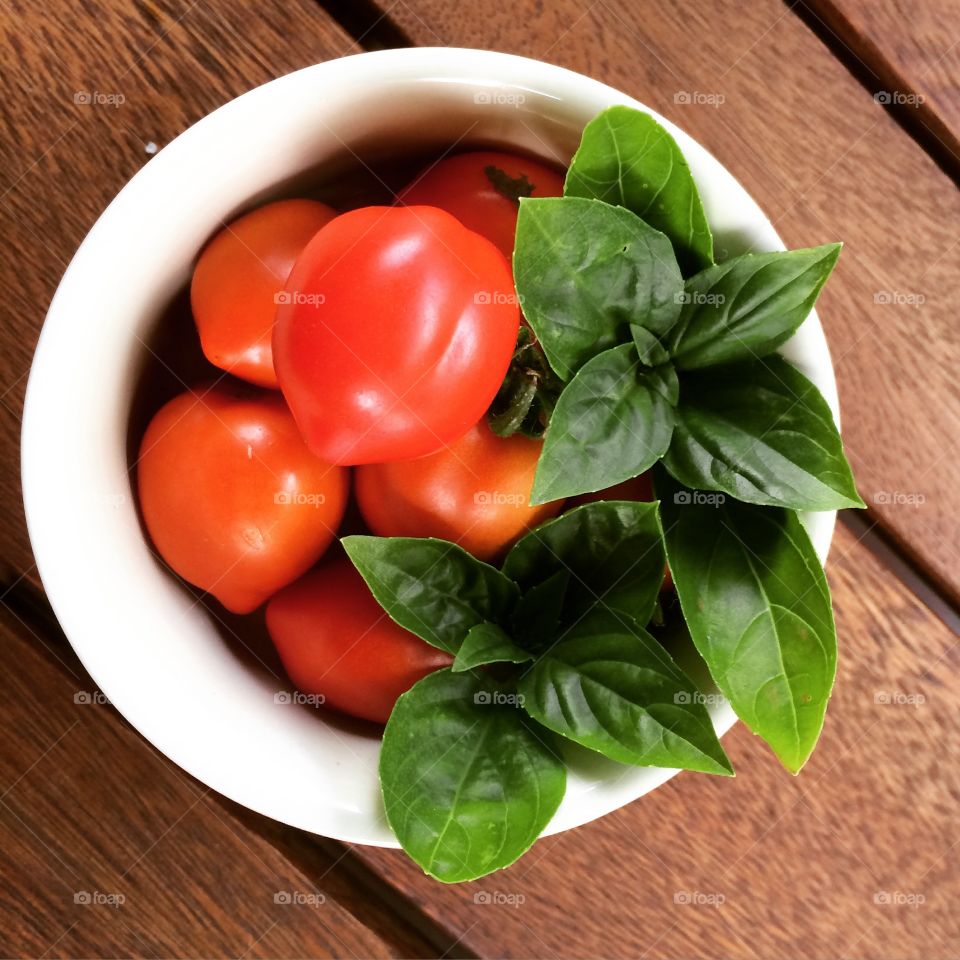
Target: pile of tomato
(361, 352)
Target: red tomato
(484, 202)
(399, 329)
(237, 281)
(474, 492)
(639, 488)
(335, 641)
(232, 498)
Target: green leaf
(487, 643)
(537, 614)
(758, 608)
(747, 307)
(651, 352)
(613, 551)
(761, 432)
(468, 781)
(586, 271)
(612, 422)
(627, 158)
(608, 685)
(432, 588)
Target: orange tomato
(232, 499)
(474, 492)
(335, 641)
(239, 280)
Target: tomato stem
(529, 391)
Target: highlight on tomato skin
(474, 492)
(482, 188)
(233, 500)
(238, 279)
(336, 642)
(398, 329)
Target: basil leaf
(586, 271)
(612, 421)
(432, 588)
(748, 306)
(761, 432)
(651, 352)
(758, 607)
(468, 781)
(487, 643)
(608, 685)
(613, 551)
(538, 612)
(627, 158)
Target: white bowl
(151, 649)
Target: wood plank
(107, 849)
(907, 53)
(61, 162)
(856, 857)
(826, 162)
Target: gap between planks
(872, 69)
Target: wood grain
(856, 857)
(826, 163)
(107, 849)
(62, 162)
(908, 54)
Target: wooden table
(843, 119)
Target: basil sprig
(694, 382)
(553, 643)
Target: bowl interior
(205, 688)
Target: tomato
(335, 641)
(481, 200)
(474, 492)
(237, 281)
(232, 499)
(639, 488)
(399, 329)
